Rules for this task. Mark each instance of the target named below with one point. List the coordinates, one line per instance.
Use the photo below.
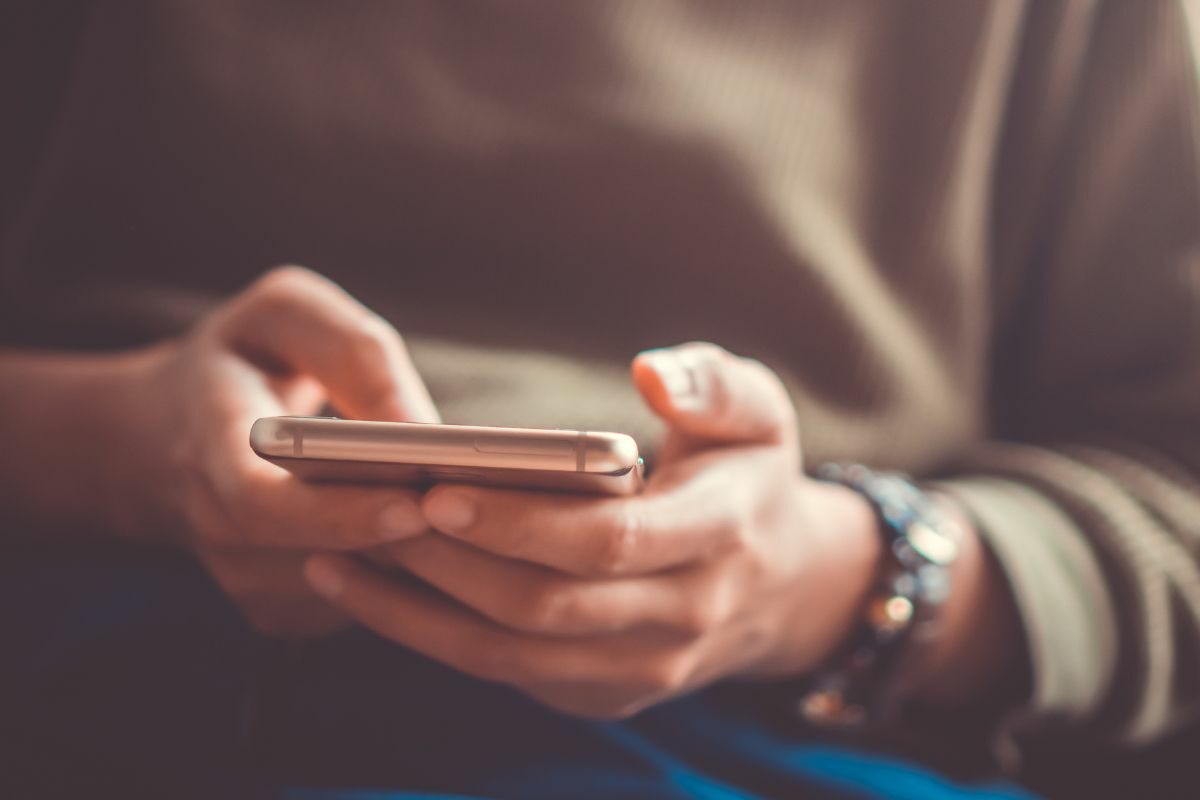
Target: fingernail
(449, 511)
(677, 376)
(401, 520)
(324, 578)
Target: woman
(959, 237)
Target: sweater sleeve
(1089, 496)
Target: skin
(732, 563)
(153, 446)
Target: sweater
(966, 235)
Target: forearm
(67, 463)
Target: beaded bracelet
(867, 682)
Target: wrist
(846, 534)
(887, 649)
(61, 425)
(109, 413)
(131, 416)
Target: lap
(129, 667)
(121, 665)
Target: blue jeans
(125, 672)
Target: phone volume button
(455, 474)
(524, 447)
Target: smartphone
(331, 449)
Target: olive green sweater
(968, 234)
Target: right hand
(287, 345)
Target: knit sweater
(966, 234)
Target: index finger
(310, 325)
(277, 510)
(592, 537)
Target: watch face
(931, 544)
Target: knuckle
(739, 529)
(694, 621)
(271, 297)
(772, 386)
(213, 517)
(760, 369)
(290, 287)
(547, 609)
(383, 332)
(285, 279)
(376, 342)
(707, 350)
(619, 544)
(734, 531)
(703, 613)
(781, 398)
(272, 294)
(666, 675)
(727, 536)
(372, 345)
(769, 378)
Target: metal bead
(904, 584)
(829, 707)
(933, 545)
(890, 614)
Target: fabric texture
(965, 233)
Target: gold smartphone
(330, 449)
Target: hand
(731, 563)
(287, 345)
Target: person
(951, 240)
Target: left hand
(731, 563)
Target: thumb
(705, 392)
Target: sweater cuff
(1056, 581)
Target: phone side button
(443, 474)
(524, 447)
